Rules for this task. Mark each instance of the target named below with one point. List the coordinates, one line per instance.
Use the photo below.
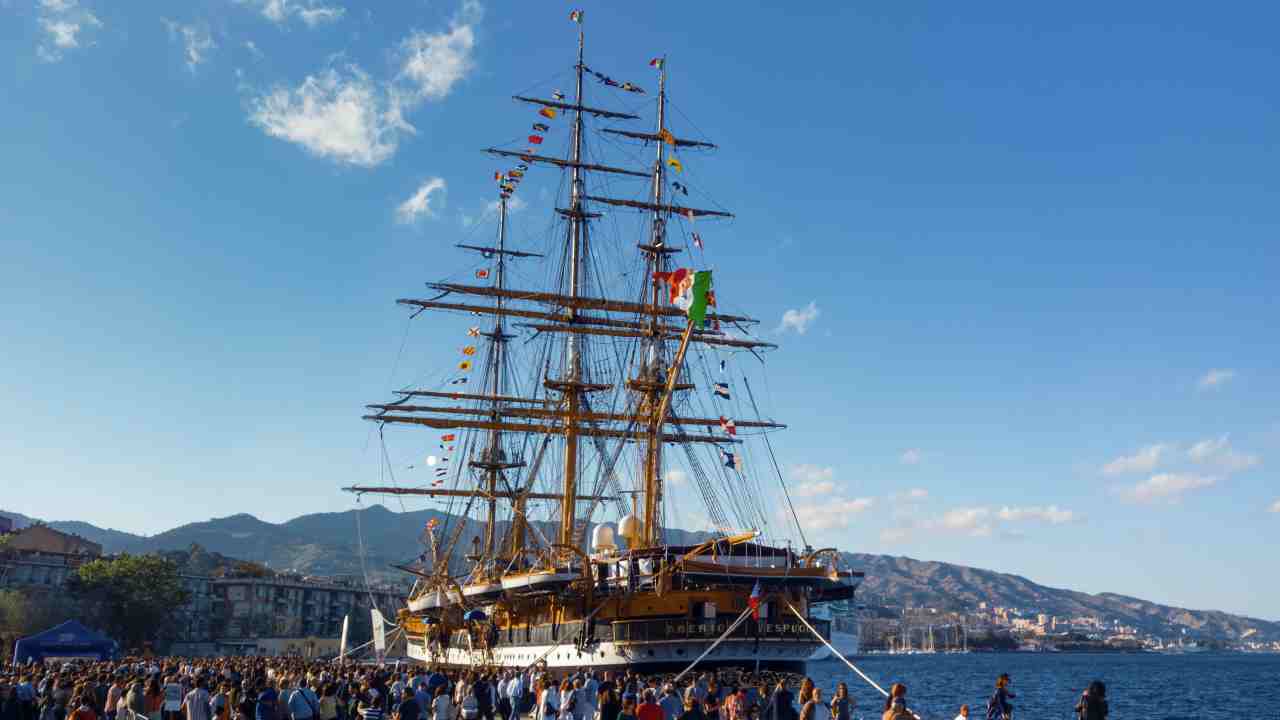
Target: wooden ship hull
(636, 609)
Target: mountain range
(330, 544)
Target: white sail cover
(379, 633)
(342, 645)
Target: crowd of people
(295, 689)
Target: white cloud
(252, 47)
(1145, 460)
(806, 472)
(799, 320)
(813, 480)
(1051, 514)
(432, 63)
(63, 22)
(814, 489)
(1275, 507)
(347, 116)
(310, 12)
(197, 41)
(833, 513)
(1215, 378)
(976, 521)
(1167, 487)
(514, 205)
(420, 204)
(677, 478)
(970, 521)
(1218, 452)
(912, 456)
(336, 115)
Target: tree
(133, 598)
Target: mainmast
(493, 458)
(573, 387)
(652, 382)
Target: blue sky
(1029, 253)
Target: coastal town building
(38, 556)
(265, 614)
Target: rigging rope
(776, 469)
(838, 654)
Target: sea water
(1202, 686)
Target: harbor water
(1205, 686)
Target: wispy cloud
(1275, 506)
(1218, 453)
(310, 12)
(63, 23)
(1167, 487)
(832, 513)
(799, 320)
(514, 205)
(252, 47)
(1215, 378)
(912, 456)
(1051, 514)
(1145, 460)
(914, 495)
(977, 521)
(345, 115)
(812, 480)
(196, 40)
(423, 203)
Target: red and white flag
(727, 425)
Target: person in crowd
(220, 702)
(964, 713)
(154, 698)
(441, 704)
(780, 702)
(548, 700)
(568, 700)
(196, 702)
(670, 702)
(998, 707)
(895, 705)
(303, 703)
(610, 703)
(692, 708)
(809, 710)
(628, 710)
(408, 708)
(1093, 702)
(842, 705)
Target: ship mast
(573, 388)
(493, 458)
(651, 361)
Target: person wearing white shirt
(964, 713)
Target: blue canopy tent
(68, 641)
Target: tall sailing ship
(580, 403)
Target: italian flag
(690, 291)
